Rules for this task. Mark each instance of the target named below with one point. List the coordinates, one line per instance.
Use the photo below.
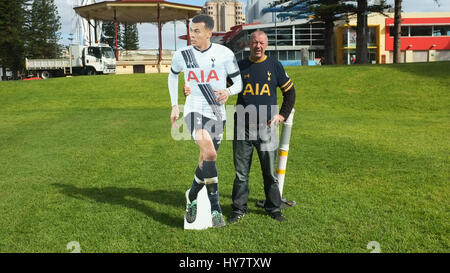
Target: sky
(148, 38)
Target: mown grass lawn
(92, 160)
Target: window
(405, 31)
(95, 51)
(302, 31)
(349, 38)
(441, 31)
(411, 31)
(291, 55)
(372, 38)
(273, 54)
(421, 30)
(317, 42)
(287, 31)
(282, 55)
(107, 52)
(349, 56)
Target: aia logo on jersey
(201, 77)
(254, 90)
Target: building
(425, 38)
(226, 14)
(287, 40)
(253, 12)
(290, 41)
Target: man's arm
(289, 95)
(288, 102)
(288, 89)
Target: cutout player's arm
(177, 67)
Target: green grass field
(91, 159)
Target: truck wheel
(91, 71)
(45, 75)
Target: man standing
(206, 67)
(261, 76)
(253, 125)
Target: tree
(43, 35)
(129, 39)
(12, 20)
(361, 33)
(362, 28)
(109, 32)
(397, 30)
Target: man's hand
(187, 90)
(174, 115)
(222, 95)
(277, 119)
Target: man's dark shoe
(277, 216)
(235, 217)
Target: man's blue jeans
(242, 154)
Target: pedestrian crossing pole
(283, 150)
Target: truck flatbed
(44, 64)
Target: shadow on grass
(431, 69)
(124, 196)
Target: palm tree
(397, 30)
(362, 32)
(362, 29)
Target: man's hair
(257, 32)
(202, 18)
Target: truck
(5, 74)
(83, 60)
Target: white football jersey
(204, 72)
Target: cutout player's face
(199, 35)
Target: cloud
(423, 5)
(68, 15)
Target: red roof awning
(235, 30)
